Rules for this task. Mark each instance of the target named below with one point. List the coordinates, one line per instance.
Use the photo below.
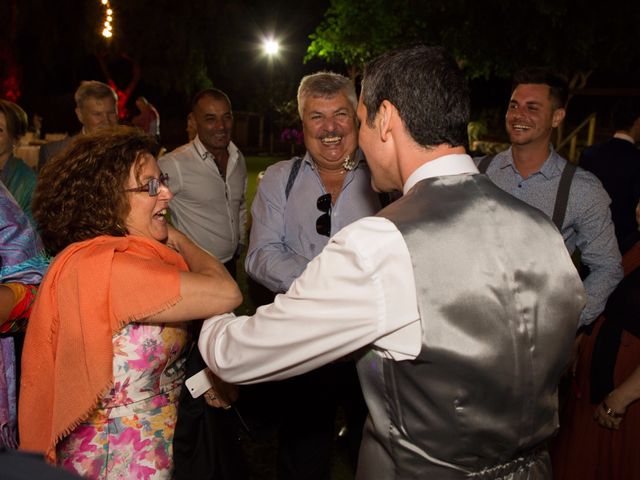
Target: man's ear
(385, 116)
(79, 115)
(558, 116)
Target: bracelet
(611, 413)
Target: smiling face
(214, 123)
(329, 126)
(96, 113)
(531, 115)
(146, 216)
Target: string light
(107, 31)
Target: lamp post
(271, 48)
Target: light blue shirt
(587, 222)
(283, 233)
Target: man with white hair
(299, 204)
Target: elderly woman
(14, 173)
(105, 346)
(22, 264)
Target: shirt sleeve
(269, 259)
(242, 222)
(595, 237)
(357, 292)
(169, 165)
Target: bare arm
(618, 401)
(206, 290)
(7, 301)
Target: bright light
(271, 47)
(107, 31)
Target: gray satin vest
(499, 301)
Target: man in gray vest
(461, 300)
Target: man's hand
(222, 394)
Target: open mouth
(160, 215)
(333, 140)
(520, 127)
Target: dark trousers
(205, 443)
(308, 405)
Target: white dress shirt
(208, 208)
(359, 291)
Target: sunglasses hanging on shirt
(323, 222)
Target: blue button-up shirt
(283, 233)
(587, 222)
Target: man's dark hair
(214, 93)
(558, 84)
(625, 113)
(427, 87)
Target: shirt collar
(549, 169)
(359, 158)
(203, 153)
(624, 136)
(200, 149)
(454, 164)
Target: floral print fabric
(130, 434)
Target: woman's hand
(173, 238)
(206, 289)
(610, 412)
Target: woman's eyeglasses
(323, 223)
(153, 186)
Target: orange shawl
(91, 290)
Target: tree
(492, 38)
(356, 32)
(495, 38)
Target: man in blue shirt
(299, 204)
(531, 170)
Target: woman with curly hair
(105, 346)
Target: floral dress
(130, 434)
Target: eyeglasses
(153, 186)
(323, 223)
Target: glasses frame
(323, 222)
(152, 187)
